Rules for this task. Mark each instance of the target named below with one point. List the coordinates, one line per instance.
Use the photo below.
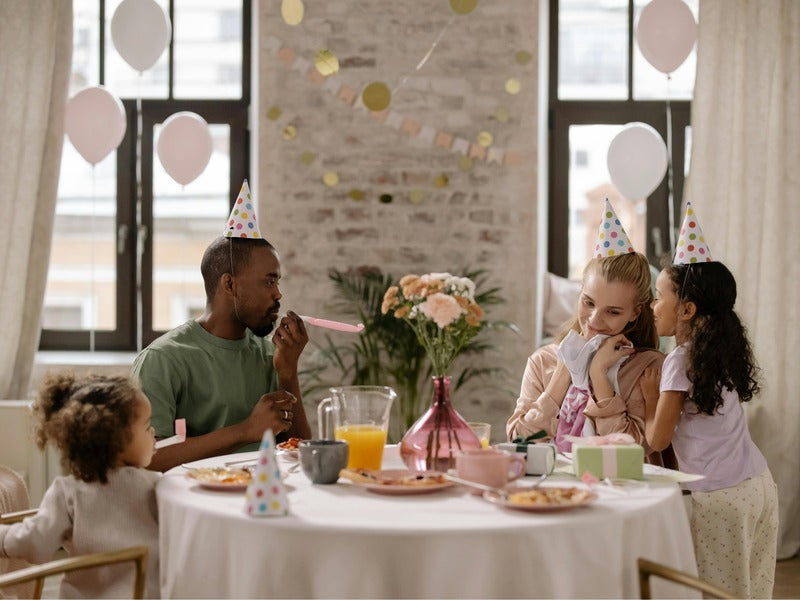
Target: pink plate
(401, 489)
(583, 499)
(214, 478)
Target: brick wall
(453, 202)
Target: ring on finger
(285, 414)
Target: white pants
(735, 533)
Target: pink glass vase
(439, 435)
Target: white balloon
(184, 146)
(666, 33)
(140, 30)
(637, 160)
(95, 123)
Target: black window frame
(134, 218)
(564, 113)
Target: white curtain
(35, 64)
(744, 183)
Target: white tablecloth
(342, 541)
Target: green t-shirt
(211, 382)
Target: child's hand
(649, 382)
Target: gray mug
(322, 460)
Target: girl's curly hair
(88, 419)
(720, 355)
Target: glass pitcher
(358, 414)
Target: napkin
(577, 353)
(266, 494)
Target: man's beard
(262, 331)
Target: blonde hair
(634, 269)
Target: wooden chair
(37, 573)
(648, 568)
(16, 517)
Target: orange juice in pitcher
(366, 445)
(359, 415)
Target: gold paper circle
(356, 194)
(441, 180)
(502, 114)
(274, 113)
(513, 86)
(465, 163)
(330, 178)
(326, 62)
(308, 157)
(376, 96)
(416, 196)
(485, 139)
(523, 57)
(463, 7)
(289, 132)
(292, 11)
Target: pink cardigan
(623, 412)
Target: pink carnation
(441, 308)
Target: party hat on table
(242, 222)
(692, 245)
(266, 495)
(611, 237)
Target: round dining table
(345, 541)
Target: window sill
(53, 358)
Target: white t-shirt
(717, 446)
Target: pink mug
(489, 467)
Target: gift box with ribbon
(541, 457)
(613, 461)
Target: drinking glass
(483, 431)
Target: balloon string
(140, 229)
(92, 308)
(670, 199)
(425, 58)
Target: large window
(599, 81)
(127, 240)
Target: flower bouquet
(442, 311)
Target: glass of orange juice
(358, 414)
(483, 431)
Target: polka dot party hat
(611, 237)
(266, 496)
(692, 245)
(242, 222)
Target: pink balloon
(637, 160)
(184, 146)
(140, 31)
(666, 33)
(95, 123)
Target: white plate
(397, 489)
(585, 499)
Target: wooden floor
(787, 578)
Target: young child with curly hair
(704, 380)
(101, 426)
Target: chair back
(14, 503)
(37, 573)
(648, 568)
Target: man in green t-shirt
(219, 371)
